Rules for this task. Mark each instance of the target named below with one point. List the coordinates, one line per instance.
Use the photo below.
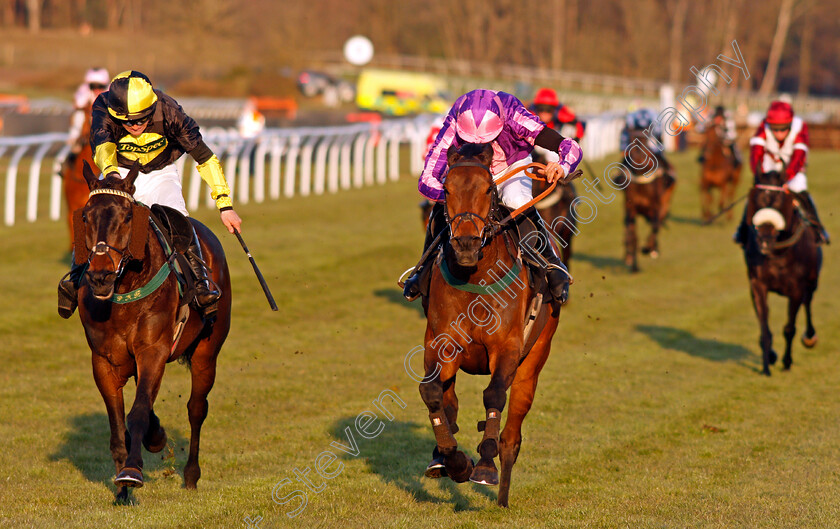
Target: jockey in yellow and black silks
(134, 122)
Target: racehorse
(782, 256)
(555, 206)
(130, 323)
(718, 171)
(648, 194)
(481, 324)
(72, 175)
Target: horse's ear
(129, 179)
(90, 177)
(452, 155)
(486, 156)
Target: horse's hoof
(459, 467)
(773, 357)
(765, 372)
(809, 342)
(155, 443)
(436, 469)
(129, 477)
(485, 473)
(646, 250)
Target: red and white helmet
(546, 96)
(779, 113)
(479, 117)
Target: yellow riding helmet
(131, 96)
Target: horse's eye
(490, 190)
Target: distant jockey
(722, 118)
(781, 144)
(500, 119)
(96, 82)
(642, 119)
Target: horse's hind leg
(110, 387)
(790, 330)
(705, 200)
(203, 371)
(809, 337)
(155, 438)
(495, 396)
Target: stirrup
(405, 276)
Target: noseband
(102, 247)
(486, 230)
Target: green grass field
(650, 412)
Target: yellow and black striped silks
(211, 172)
(131, 96)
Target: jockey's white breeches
(516, 192)
(159, 187)
(798, 183)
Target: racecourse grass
(650, 413)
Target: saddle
(174, 231)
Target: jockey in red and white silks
(498, 118)
(768, 153)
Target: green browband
(493, 288)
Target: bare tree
(768, 84)
(678, 9)
(33, 15)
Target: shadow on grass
(395, 296)
(614, 264)
(681, 340)
(399, 455)
(86, 446)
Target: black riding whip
(257, 271)
(724, 210)
(589, 168)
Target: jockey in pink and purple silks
(500, 119)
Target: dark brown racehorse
(718, 171)
(648, 195)
(782, 256)
(489, 333)
(135, 339)
(72, 175)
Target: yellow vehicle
(400, 93)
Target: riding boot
(810, 210)
(205, 295)
(68, 290)
(556, 272)
(736, 155)
(418, 282)
(740, 235)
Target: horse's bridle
(487, 229)
(102, 247)
(794, 238)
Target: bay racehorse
(484, 317)
(718, 171)
(782, 256)
(647, 195)
(129, 305)
(73, 182)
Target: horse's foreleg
(790, 329)
(809, 337)
(110, 386)
(759, 298)
(458, 466)
(150, 367)
(705, 200)
(630, 242)
(495, 397)
(203, 371)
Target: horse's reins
(794, 238)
